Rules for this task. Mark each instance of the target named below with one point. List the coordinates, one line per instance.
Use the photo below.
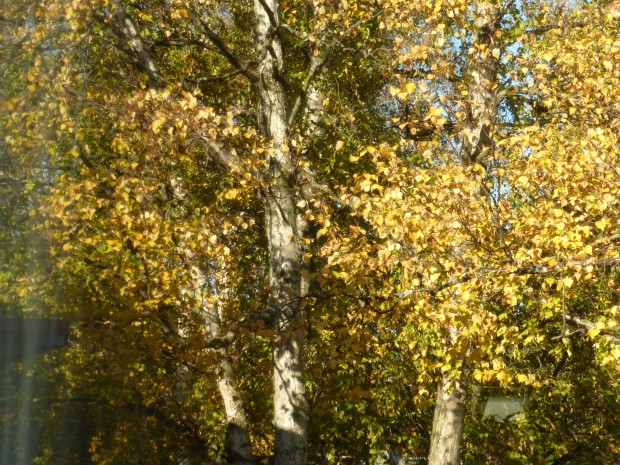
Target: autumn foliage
(281, 227)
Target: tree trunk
(448, 422)
(482, 105)
(477, 147)
(285, 257)
(239, 447)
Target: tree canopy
(319, 231)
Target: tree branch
(523, 271)
(127, 31)
(316, 65)
(244, 69)
(225, 157)
(587, 324)
(551, 27)
(10, 179)
(180, 42)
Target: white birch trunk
(482, 108)
(239, 447)
(448, 423)
(285, 257)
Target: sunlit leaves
(495, 260)
(426, 263)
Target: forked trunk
(448, 422)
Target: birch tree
(152, 100)
(465, 90)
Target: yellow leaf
(435, 111)
(602, 224)
(231, 194)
